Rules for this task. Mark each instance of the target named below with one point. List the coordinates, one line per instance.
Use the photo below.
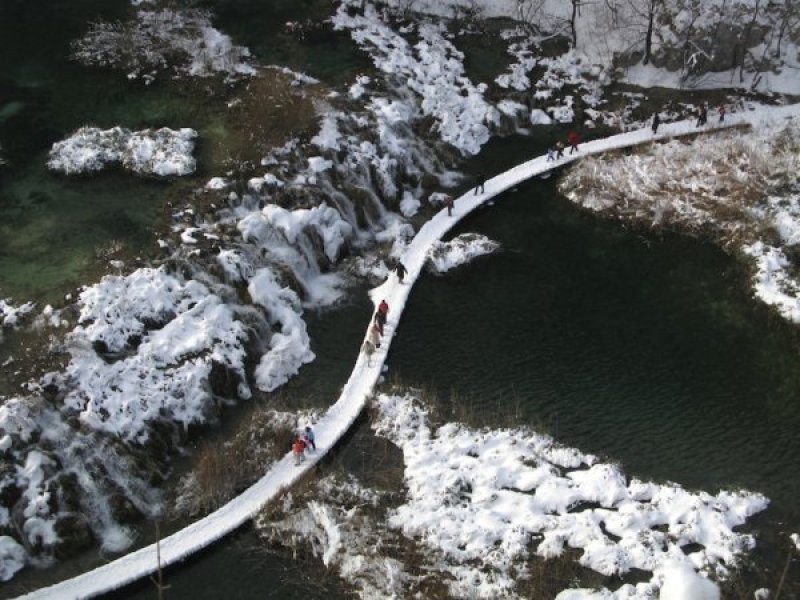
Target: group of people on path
(373, 341)
(702, 117)
(557, 151)
(702, 114)
(301, 442)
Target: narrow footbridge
(339, 418)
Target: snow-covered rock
(163, 152)
(444, 256)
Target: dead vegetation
(717, 186)
(223, 469)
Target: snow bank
(163, 152)
(181, 40)
(479, 498)
(772, 282)
(444, 256)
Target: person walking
(368, 349)
(374, 335)
(309, 439)
(298, 449)
(401, 271)
(721, 111)
(559, 149)
(481, 183)
(383, 307)
(573, 139)
(380, 321)
(448, 202)
(551, 154)
(656, 122)
(702, 115)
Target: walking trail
(358, 388)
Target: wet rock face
(74, 536)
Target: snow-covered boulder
(163, 152)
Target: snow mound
(444, 256)
(165, 336)
(163, 152)
(681, 582)
(12, 557)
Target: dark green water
(647, 351)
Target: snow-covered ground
(365, 375)
(163, 152)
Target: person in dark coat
(573, 140)
(702, 116)
(656, 122)
(401, 271)
(448, 202)
(480, 184)
(559, 149)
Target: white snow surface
(163, 152)
(338, 419)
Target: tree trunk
(648, 40)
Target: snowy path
(356, 391)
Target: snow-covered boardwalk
(361, 383)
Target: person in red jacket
(298, 449)
(383, 307)
(721, 111)
(573, 140)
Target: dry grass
(268, 112)
(708, 185)
(224, 469)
